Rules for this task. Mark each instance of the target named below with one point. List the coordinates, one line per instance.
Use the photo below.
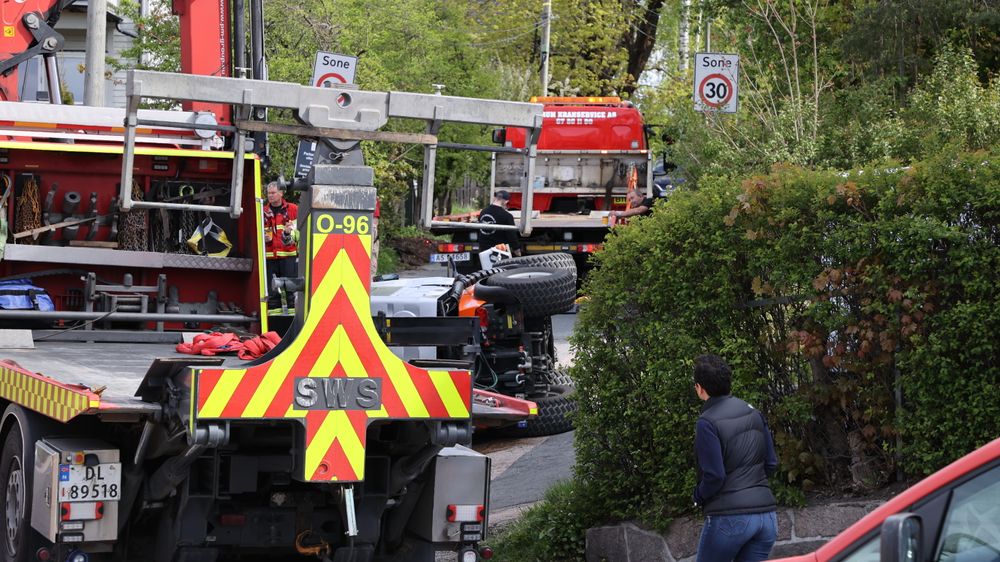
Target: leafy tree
(898, 39)
(157, 42)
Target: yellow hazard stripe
(111, 149)
(44, 396)
(336, 426)
(228, 381)
(449, 394)
(282, 364)
(396, 369)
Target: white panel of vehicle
(410, 298)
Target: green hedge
(824, 291)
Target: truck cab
(591, 151)
(952, 515)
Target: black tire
(557, 260)
(542, 291)
(555, 415)
(561, 378)
(15, 498)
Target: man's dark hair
(713, 374)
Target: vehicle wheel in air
(542, 291)
(15, 499)
(555, 412)
(561, 378)
(558, 260)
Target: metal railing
(341, 112)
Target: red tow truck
(591, 151)
(133, 229)
(952, 515)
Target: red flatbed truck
(953, 515)
(591, 151)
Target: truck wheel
(15, 498)
(555, 410)
(557, 260)
(542, 291)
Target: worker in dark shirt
(497, 213)
(735, 456)
(640, 206)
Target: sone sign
(716, 80)
(329, 71)
(332, 69)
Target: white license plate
(443, 258)
(81, 483)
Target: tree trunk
(639, 41)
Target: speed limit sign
(716, 82)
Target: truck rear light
(451, 248)
(43, 554)
(81, 511)
(233, 520)
(465, 513)
(486, 552)
(469, 555)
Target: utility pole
(97, 32)
(546, 24)
(684, 38)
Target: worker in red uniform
(281, 238)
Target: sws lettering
(337, 393)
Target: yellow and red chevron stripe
(44, 395)
(338, 339)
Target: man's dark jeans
(739, 538)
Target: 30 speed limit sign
(716, 82)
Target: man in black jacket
(735, 455)
(497, 213)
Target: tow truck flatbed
(118, 368)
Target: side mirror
(500, 136)
(901, 538)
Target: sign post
(716, 82)
(330, 70)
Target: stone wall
(799, 531)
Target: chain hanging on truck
(132, 234)
(29, 210)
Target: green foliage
(847, 127)
(820, 289)
(900, 38)
(553, 530)
(157, 45)
(388, 260)
(952, 107)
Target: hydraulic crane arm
(27, 32)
